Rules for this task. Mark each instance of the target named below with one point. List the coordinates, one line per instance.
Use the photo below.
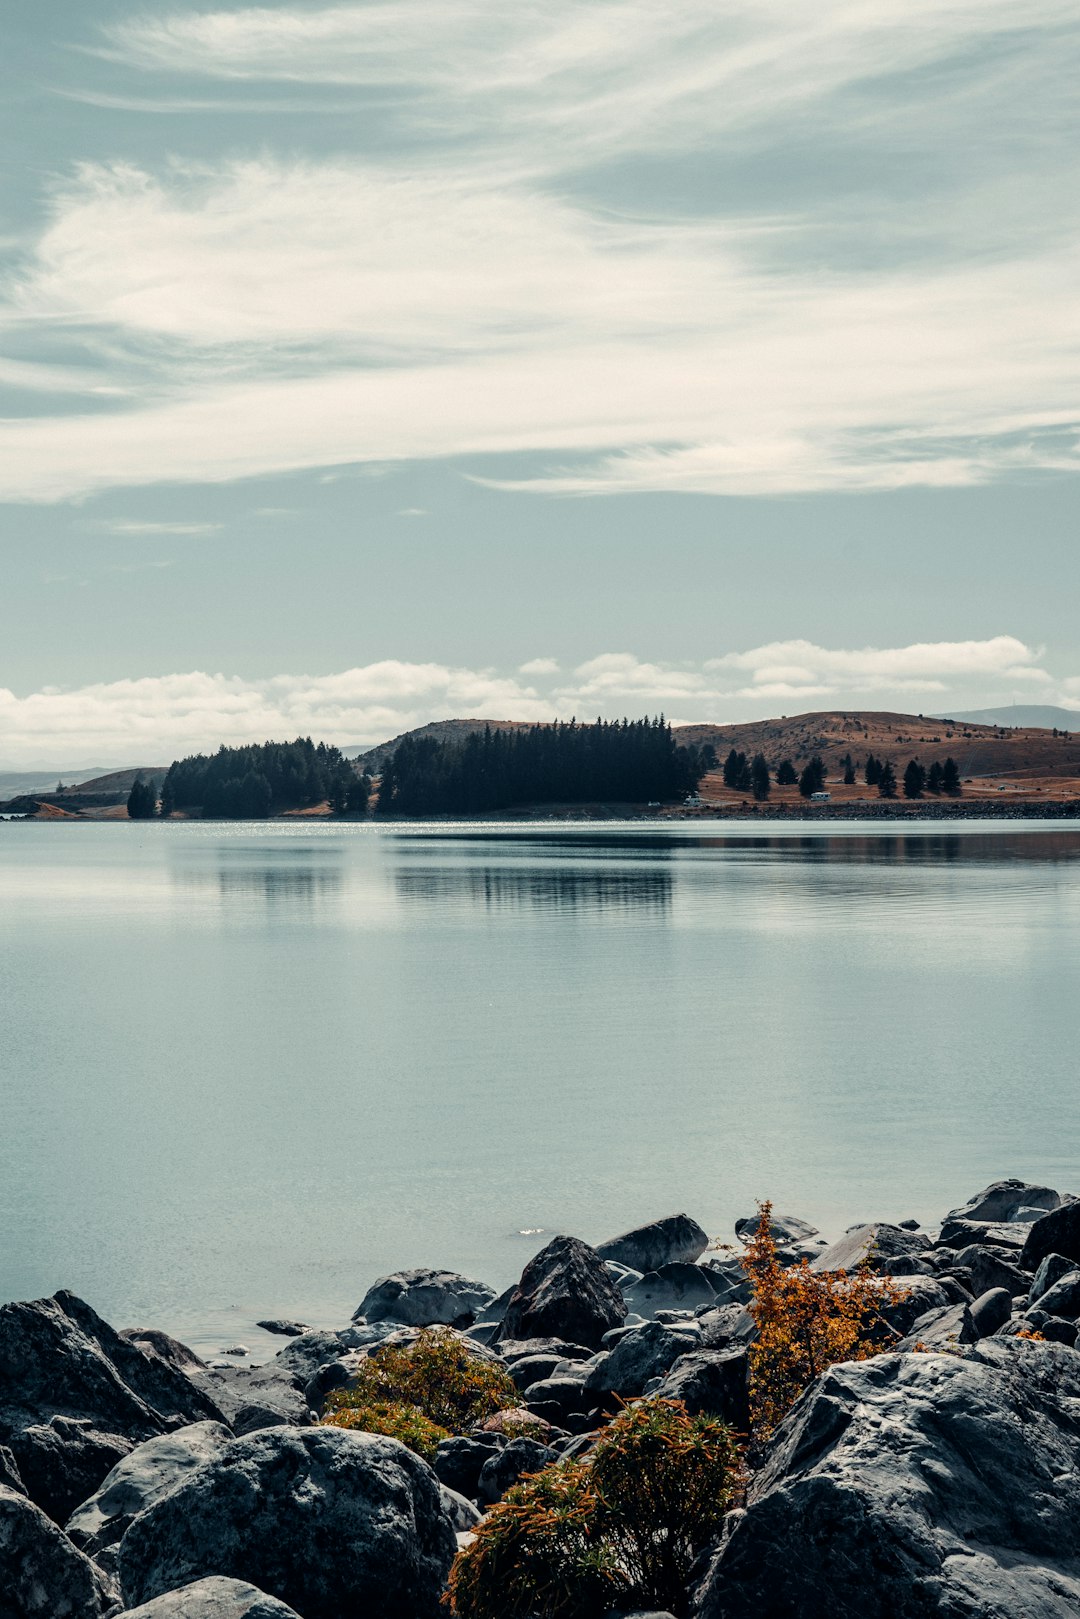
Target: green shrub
(620, 1529)
(444, 1381)
(397, 1421)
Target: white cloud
(458, 296)
(596, 75)
(151, 720)
(136, 526)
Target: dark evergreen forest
(621, 761)
(264, 779)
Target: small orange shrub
(619, 1529)
(395, 1420)
(423, 1391)
(807, 1321)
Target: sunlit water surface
(245, 1069)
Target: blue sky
(366, 363)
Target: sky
(364, 364)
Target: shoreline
(707, 814)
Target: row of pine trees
(621, 761)
(755, 776)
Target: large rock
(253, 1397)
(1051, 1270)
(214, 1599)
(147, 1473)
(564, 1292)
(875, 1246)
(75, 1396)
(647, 1247)
(916, 1487)
(332, 1522)
(1056, 1233)
(956, 1233)
(710, 1382)
(640, 1355)
(152, 1341)
(425, 1298)
(1003, 1200)
(42, 1575)
(674, 1287)
(505, 1466)
(460, 1460)
(1064, 1297)
(982, 1268)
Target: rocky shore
(939, 1478)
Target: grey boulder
(661, 1242)
(983, 1267)
(1003, 1200)
(991, 1311)
(674, 1286)
(506, 1465)
(1063, 1299)
(214, 1598)
(1051, 1270)
(142, 1477)
(1056, 1233)
(711, 1382)
(640, 1355)
(330, 1521)
(425, 1298)
(42, 1575)
(253, 1397)
(942, 1329)
(957, 1233)
(875, 1246)
(916, 1487)
(564, 1292)
(460, 1460)
(75, 1396)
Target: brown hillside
(979, 750)
(441, 731)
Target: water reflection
(540, 888)
(294, 876)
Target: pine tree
(787, 775)
(849, 771)
(731, 768)
(812, 779)
(914, 779)
(872, 771)
(886, 781)
(934, 777)
(950, 779)
(744, 778)
(759, 778)
(142, 800)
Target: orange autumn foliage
(806, 1322)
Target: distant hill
(1041, 715)
(979, 749)
(120, 781)
(440, 730)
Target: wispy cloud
(147, 720)
(906, 311)
(138, 526)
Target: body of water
(245, 1069)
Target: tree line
(566, 763)
(755, 776)
(249, 783)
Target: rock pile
(939, 1479)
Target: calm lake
(247, 1068)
